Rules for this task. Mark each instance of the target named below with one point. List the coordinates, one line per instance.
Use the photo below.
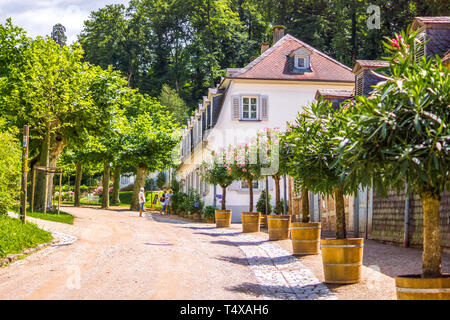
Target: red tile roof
(274, 64)
(420, 21)
(370, 64)
(335, 93)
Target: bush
(178, 199)
(192, 203)
(261, 203)
(208, 212)
(9, 169)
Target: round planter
(263, 220)
(210, 219)
(278, 226)
(413, 287)
(342, 259)
(223, 218)
(196, 216)
(250, 221)
(305, 237)
(181, 213)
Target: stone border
(4, 262)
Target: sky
(38, 17)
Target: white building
(268, 92)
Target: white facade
(232, 114)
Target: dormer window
(300, 60)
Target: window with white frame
(302, 61)
(249, 108)
(244, 184)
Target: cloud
(38, 17)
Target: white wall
(285, 100)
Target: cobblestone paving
(280, 275)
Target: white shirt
(141, 197)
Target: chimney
(278, 33)
(264, 46)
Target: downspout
(214, 197)
(267, 195)
(285, 198)
(356, 214)
(406, 223)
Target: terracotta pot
(342, 259)
(250, 221)
(263, 220)
(278, 226)
(305, 237)
(223, 218)
(413, 287)
(196, 216)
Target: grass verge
(16, 236)
(52, 216)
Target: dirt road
(119, 255)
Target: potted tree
(261, 207)
(400, 135)
(272, 160)
(305, 235)
(245, 166)
(217, 172)
(313, 154)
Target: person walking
(141, 202)
(163, 201)
(168, 202)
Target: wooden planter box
(278, 226)
(223, 218)
(305, 237)
(342, 260)
(413, 287)
(250, 221)
(263, 220)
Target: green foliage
(209, 212)
(176, 106)
(215, 171)
(261, 203)
(313, 149)
(192, 203)
(10, 156)
(16, 236)
(401, 133)
(161, 179)
(178, 201)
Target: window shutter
(235, 106)
(359, 84)
(264, 108)
(419, 47)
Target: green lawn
(125, 200)
(16, 236)
(50, 216)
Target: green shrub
(10, 155)
(208, 212)
(261, 203)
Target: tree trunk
(431, 256)
(276, 179)
(340, 214)
(250, 188)
(78, 175)
(224, 195)
(116, 186)
(58, 143)
(105, 184)
(141, 175)
(305, 206)
(42, 177)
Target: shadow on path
(238, 243)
